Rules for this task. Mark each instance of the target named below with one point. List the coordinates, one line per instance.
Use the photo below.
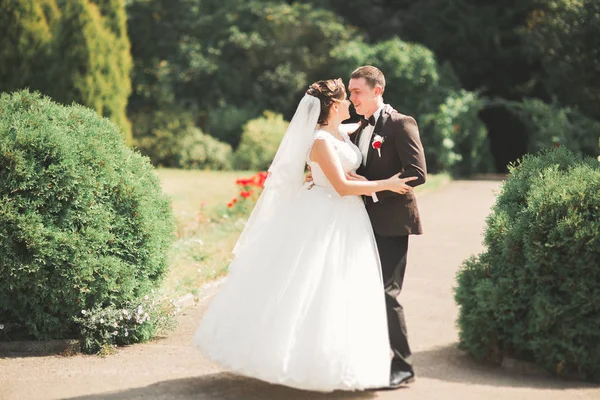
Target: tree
(26, 35)
(73, 51)
(227, 61)
(92, 59)
(565, 36)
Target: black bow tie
(369, 121)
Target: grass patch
(433, 183)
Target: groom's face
(363, 96)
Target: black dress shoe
(399, 378)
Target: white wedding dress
(303, 305)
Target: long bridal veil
(286, 173)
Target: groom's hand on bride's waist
(308, 179)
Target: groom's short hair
(373, 76)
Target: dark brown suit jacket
(401, 151)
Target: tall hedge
(92, 59)
(533, 294)
(26, 35)
(73, 51)
(83, 221)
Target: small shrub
(260, 141)
(201, 151)
(158, 135)
(532, 293)
(131, 323)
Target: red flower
(244, 182)
(377, 141)
(234, 201)
(245, 194)
(230, 205)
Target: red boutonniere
(377, 142)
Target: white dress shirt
(366, 135)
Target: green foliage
(74, 51)
(170, 139)
(530, 294)
(132, 323)
(457, 140)
(454, 138)
(508, 49)
(25, 42)
(227, 123)
(83, 222)
(260, 141)
(565, 36)
(227, 61)
(201, 151)
(159, 134)
(92, 59)
(551, 124)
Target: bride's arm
(324, 154)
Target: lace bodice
(349, 155)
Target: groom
(389, 142)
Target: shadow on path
(221, 386)
(448, 363)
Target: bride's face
(343, 109)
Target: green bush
(551, 124)
(83, 221)
(201, 151)
(170, 139)
(226, 123)
(158, 135)
(532, 293)
(260, 141)
(454, 137)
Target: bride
(303, 305)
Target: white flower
(146, 317)
(115, 333)
(115, 325)
(121, 318)
(126, 333)
(152, 290)
(101, 320)
(125, 312)
(146, 297)
(1, 327)
(83, 312)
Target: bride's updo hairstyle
(328, 92)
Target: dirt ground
(171, 368)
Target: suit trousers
(393, 252)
